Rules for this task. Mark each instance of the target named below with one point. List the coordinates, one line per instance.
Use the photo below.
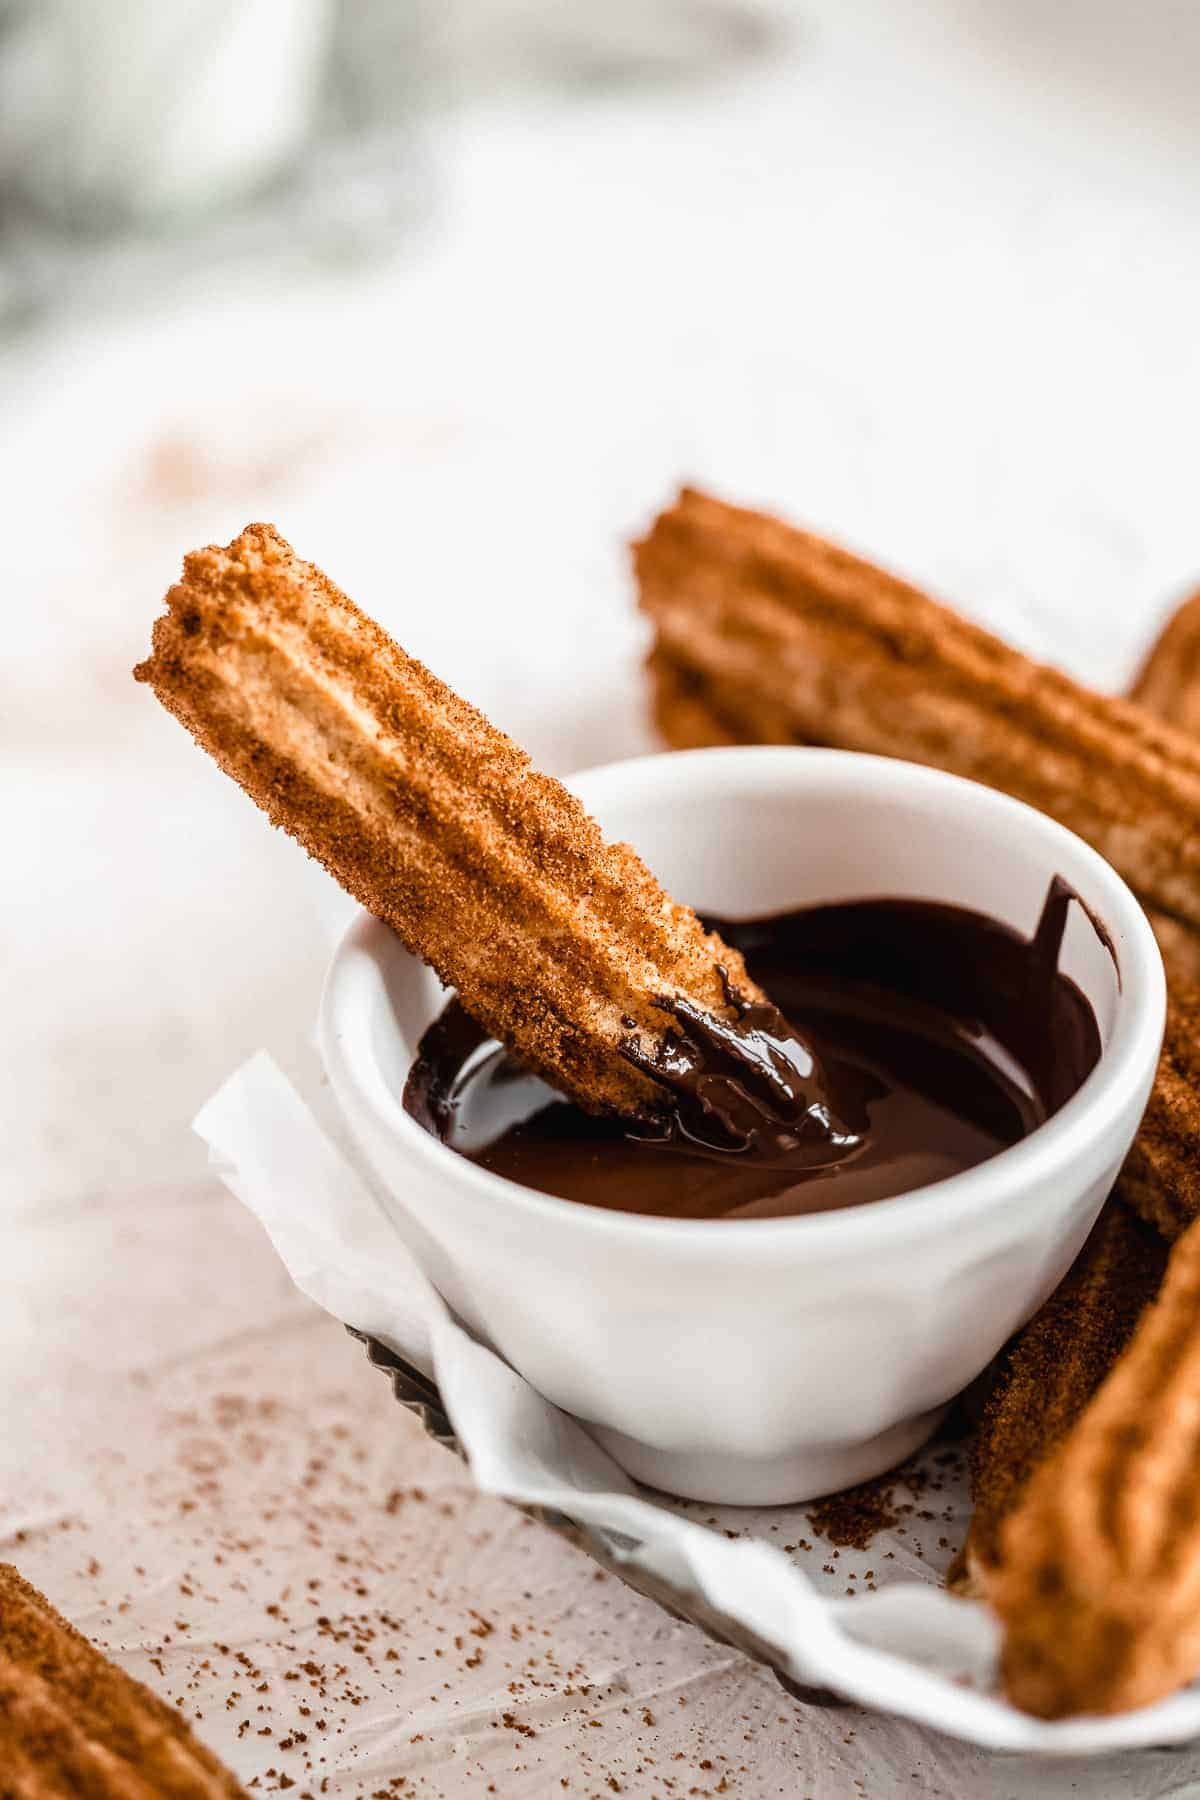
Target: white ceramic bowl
(761, 1361)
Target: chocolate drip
(933, 1038)
(748, 1082)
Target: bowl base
(767, 1480)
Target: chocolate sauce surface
(930, 1038)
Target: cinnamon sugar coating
(1098, 1585)
(559, 943)
(693, 712)
(73, 1724)
(1051, 1369)
(1162, 1172)
(835, 650)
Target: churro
(682, 709)
(560, 944)
(72, 1723)
(1047, 1374)
(1168, 682)
(692, 712)
(827, 647)
(1098, 1584)
(1162, 1171)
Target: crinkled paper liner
(873, 1626)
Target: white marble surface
(930, 284)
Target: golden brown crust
(1168, 682)
(1161, 1176)
(692, 712)
(1180, 947)
(852, 657)
(681, 707)
(1099, 1581)
(73, 1724)
(1051, 1369)
(559, 943)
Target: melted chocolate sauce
(933, 1038)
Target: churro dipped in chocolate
(1098, 1584)
(563, 946)
(1168, 682)
(73, 1724)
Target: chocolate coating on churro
(947, 1036)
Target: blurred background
(455, 292)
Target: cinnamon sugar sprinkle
(853, 1518)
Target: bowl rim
(355, 978)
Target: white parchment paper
(874, 1626)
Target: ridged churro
(74, 1724)
(693, 712)
(832, 649)
(1162, 1172)
(1098, 1585)
(682, 709)
(1047, 1374)
(563, 946)
(1168, 682)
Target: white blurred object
(137, 111)
(494, 44)
(140, 144)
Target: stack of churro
(73, 1724)
(1085, 1463)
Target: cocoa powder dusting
(852, 1518)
